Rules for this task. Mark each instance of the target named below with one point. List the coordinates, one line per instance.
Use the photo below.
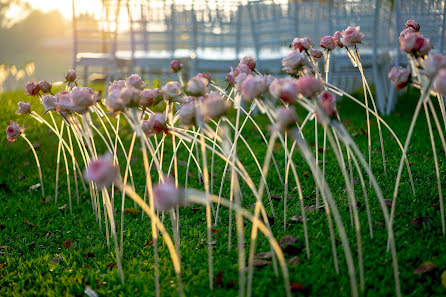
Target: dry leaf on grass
(425, 267)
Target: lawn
(46, 251)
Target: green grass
(28, 267)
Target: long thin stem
(37, 163)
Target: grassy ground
(40, 260)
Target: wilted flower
(399, 76)
(175, 66)
(24, 108)
(327, 42)
(351, 36)
(135, 81)
(413, 24)
(425, 49)
(411, 42)
(166, 196)
(48, 102)
(13, 131)
(315, 53)
(337, 38)
(32, 88)
(171, 90)
(78, 100)
(114, 102)
(285, 89)
(206, 76)
(328, 103)
(292, 61)
(197, 86)
(45, 86)
(70, 76)
(156, 124)
(252, 86)
(249, 61)
(285, 117)
(213, 106)
(301, 44)
(187, 114)
(130, 95)
(440, 82)
(116, 85)
(102, 171)
(433, 63)
(149, 97)
(309, 86)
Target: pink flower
(102, 171)
(130, 96)
(285, 89)
(135, 81)
(175, 66)
(32, 89)
(13, 131)
(166, 196)
(206, 76)
(411, 42)
(116, 85)
(249, 61)
(309, 86)
(413, 24)
(253, 86)
(171, 90)
(315, 53)
(301, 44)
(328, 42)
(292, 61)
(433, 63)
(405, 31)
(78, 100)
(45, 86)
(425, 49)
(399, 76)
(197, 86)
(286, 117)
(156, 124)
(328, 103)
(24, 108)
(337, 38)
(187, 114)
(440, 82)
(114, 102)
(351, 36)
(213, 106)
(230, 77)
(150, 97)
(48, 103)
(70, 76)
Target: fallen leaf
(4, 264)
(306, 174)
(29, 223)
(296, 287)
(131, 210)
(425, 267)
(34, 187)
(280, 197)
(264, 255)
(48, 234)
(418, 222)
(312, 208)
(89, 292)
(287, 240)
(148, 243)
(110, 266)
(46, 199)
(67, 244)
(296, 219)
(294, 261)
(63, 207)
(260, 262)
(388, 202)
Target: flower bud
(286, 117)
(24, 108)
(399, 76)
(309, 86)
(45, 86)
(166, 196)
(433, 63)
(249, 61)
(135, 81)
(327, 42)
(315, 53)
(197, 86)
(292, 62)
(171, 90)
(413, 24)
(327, 101)
(213, 106)
(440, 82)
(32, 89)
(175, 66)
(301, 44)
(156, 124)
(351, 36)
(48, 102)
(337, 38)
(70, 76)
(13, 131)
(102, 171)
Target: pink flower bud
(399, 76)
(351, 36)
(411, 42)
(197, 86)
(440, 82)
(45, 86)
(413, 24)
(149, 97)
(80, 100)
(328, 103)
(285, 89)
(166, 196)
(433, 63)
(309, 86)
(213, 106)
(32, 89)
(13, 131)
(337, 38)
(102, 171)
(135, 81)
(243, 68)
(292, 62)
(301, 44)
(24, 108)
(253, 86)
(171, 90)
(175, 66)
(206, 76)
(328, 42)
(156, 124)
(315, 53)
(187, 114)
(249, 61)
(48, 103)
(116, 85)
(70, 76)
(286, 117)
